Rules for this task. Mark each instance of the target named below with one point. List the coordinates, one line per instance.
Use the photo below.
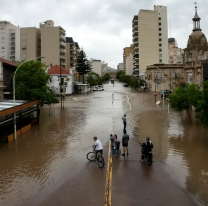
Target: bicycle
(99, 158)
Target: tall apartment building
(96, 66)
(48, 41)
(150, 38)
(174, 53)
(126, 52)
(129, 65)
(9, 41)
(72, 52)
(120, 66)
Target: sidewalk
(135, 183)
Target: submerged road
(48, 165)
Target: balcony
(12, 48)
(12, 57)
(63, 63)
(135, 28)
(12, 53)
(62, 45)
(135, 33)
(62, 57)
(62, 32)
(135, 22)
(12, 34)
(136, 54)
(62, 38)
(135, 39)
(62, 51)
(12, 39)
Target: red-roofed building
(7, 69)
(54, 81)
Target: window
(160, 29)
(160, 44)
(159, 18)
(171, 57)
(160, 50)
(23, 48)
(160, 34)
(160, 60)
(3, 47)
(159, 24)
(3, 42)
(160, 55)
(24, 42)
(2, 38)
(160, 39)
(24, 36)
(189, 78)
(178, 53)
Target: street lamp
(163, 86)
(155, 94)
(15, 134)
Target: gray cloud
(103, 28)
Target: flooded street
(42, 157)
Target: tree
(134, 83)
(83, 65)
(119, 73)
(179, 100)
(51, 97)
(105, 77)
(31, 82)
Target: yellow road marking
(107, 199)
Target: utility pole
(61, 85)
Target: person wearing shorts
(125, 140)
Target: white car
(98, 88)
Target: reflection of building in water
(195, 53)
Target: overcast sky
(103, 27)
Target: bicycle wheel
(91, 156)
(101, 162)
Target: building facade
(96, 66)
(9, 41)
(47, 41)
(150, 38)
(129, 65)
(110, 71)
(120, 67)
(195, 54)
(172, 75)
(126, 52)
(174, 53)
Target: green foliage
(31, 82)
(118, 73)
(106, 77)
(134, 82)
(83, 65)
(95, 79)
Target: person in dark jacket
(124, 121)
(125, 140)
(146, 148)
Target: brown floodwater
(42, 156)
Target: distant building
(96, 66)
(55, 80)
(195, 54)
(104, 65)
(7, 69)
(120, 67)
(150, 38)
(110, 71)
(72, 52)
(48, 41)
(126, 52)
(129, 65)
(10, 41)
(174, 53)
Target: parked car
(98, 88)
(166, 93)
(126, 85)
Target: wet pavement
(48, 165)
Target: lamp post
(163, 86)
(15, 134)
(155, 89)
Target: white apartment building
(129, 65)
(9, 41)
(150, 39)
(120, 66)
(96, 66)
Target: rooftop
(8, 62)
(56, 70)
(69, 40)
(6, 104)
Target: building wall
(120, 66)
(54, 81)
(148, 39)
(30, 43)
(50, 45)
(126, 52)
(129, 65)
(96, 66)
(162, 13)
(9, 41)
(175, 55)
